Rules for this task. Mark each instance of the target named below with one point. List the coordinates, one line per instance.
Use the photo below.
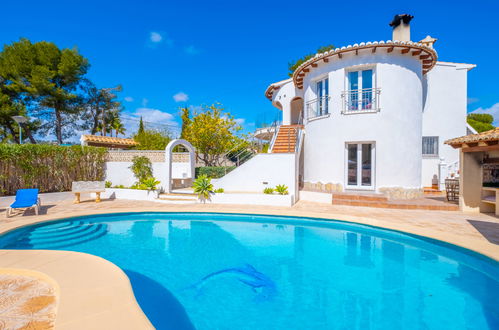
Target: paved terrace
(96, 294)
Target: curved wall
(395, 129)
(284, 96)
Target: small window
(430, 145)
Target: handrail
(271, 146)
(318, 107)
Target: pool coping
(71, 317)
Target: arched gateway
(170, 174)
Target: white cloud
(129, 99)
(493, 110)
(472, 100)
(154, 116)
(180, 97)
(155, 37)
(153, 119)
(144, 102)
(191, 50)
(240, 121)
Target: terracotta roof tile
(492, 135)
(109, 140)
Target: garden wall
(118, 164)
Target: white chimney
(401, 27)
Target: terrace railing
(318, 107)
(361, 100)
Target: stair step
(360, 197)
(177, 199)
(398, 205)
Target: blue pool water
(216, 271)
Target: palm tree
(118, 127)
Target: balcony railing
(360, 101)
(318, 107)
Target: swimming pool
(223, 271)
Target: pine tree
(141, 127)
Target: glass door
(360, 166)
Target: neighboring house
(375, 115)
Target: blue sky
(168, 54)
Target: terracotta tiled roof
(487, 136)
(108, 140)
(420, 50)
(427, 55)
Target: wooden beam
(339, 55)
(326, 60)
(405, 51)
(390, 49)
(306, 70)
(417, 52)
(427, 62)
(479, 149)
(314, 65)
(357, 51)
(374, 49)
(424, 57)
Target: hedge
(214, 172)
(49, 168)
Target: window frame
(436, 145)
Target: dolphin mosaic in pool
(257, 281)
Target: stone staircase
(381, 201)
(285, 142)
(178, 198)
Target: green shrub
(141, 168)
(203, 187)
(49, 168)
(120, 186)
(219, 190)
(281, 189)
(150, 183)
(268, 191)
(109, 184)
(152, 140)
(213, 172)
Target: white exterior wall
(271, 168)
(444, 113)
(119, 173)
(395, 130)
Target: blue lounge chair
(26, 198)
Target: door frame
(359, 168)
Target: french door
(360, 163)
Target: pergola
(479, 171)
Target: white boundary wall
(263, 170)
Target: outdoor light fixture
(20, 120)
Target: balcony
(318, 107)
(360, 101)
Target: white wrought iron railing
(361, 100)
(318, 107)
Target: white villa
(370, 116)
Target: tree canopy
(481, 122)
(212, 131)
(293, 65)
(48, 86)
